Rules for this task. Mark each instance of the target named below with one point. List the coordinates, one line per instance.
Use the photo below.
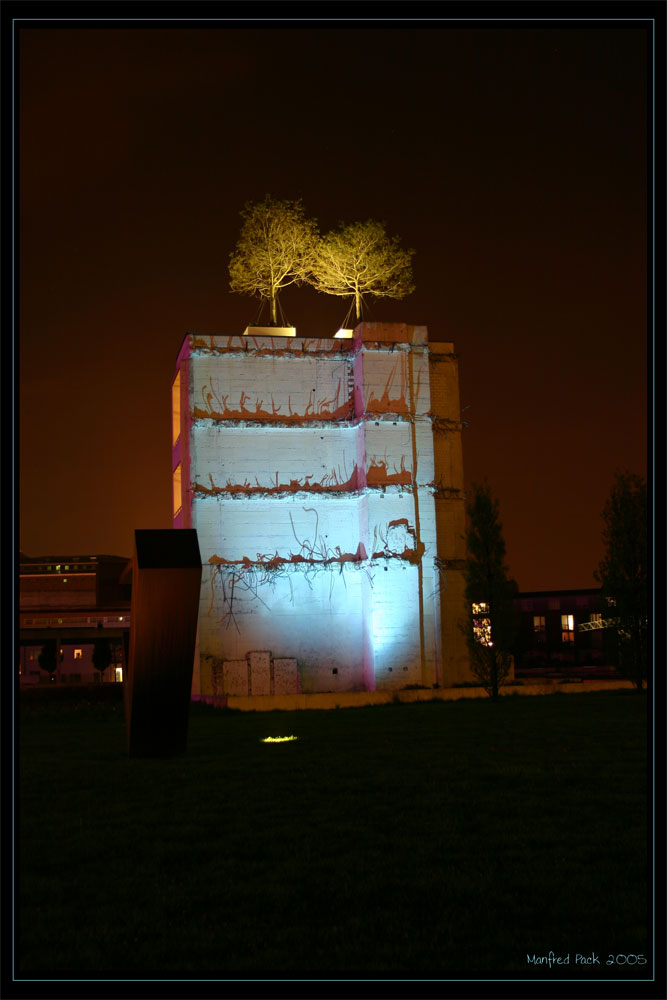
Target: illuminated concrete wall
(325, 479)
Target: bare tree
(274, 250)
(359, 259)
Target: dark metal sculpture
(166, 581)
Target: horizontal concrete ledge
(360, 699)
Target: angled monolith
(166, 581)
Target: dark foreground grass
(427, 838)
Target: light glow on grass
(279, 739)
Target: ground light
(279, 739)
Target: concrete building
(325, 481)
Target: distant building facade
(325, 481)
(550, 633)
(72, 601)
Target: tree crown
(274, 250)
(622, 572)
(359, 259)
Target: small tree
(101, 655)
(490, 624)
(48, 658)
(274, 250)
(622, 573)
(360, 259)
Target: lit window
(481, 625)
(78, 654)
(539, 623)
(177, 489)
(596, 616)
(176, 408)
(119, 675)
(567, 626)
(482, 630)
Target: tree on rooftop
(489, 627)
(274, 250)
(622, 573)
(360, 259)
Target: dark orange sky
(514, 160)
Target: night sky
(513, 160)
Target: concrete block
(260, 672)
(235, 674)
(285, 676)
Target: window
(539, 623)
(78, 654)
(177, 489)
(596, 616)
(176, 408)
(481, 624)
(567, 626)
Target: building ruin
(324, 478)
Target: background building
(325, 481)
(550, 635)
(72, 601)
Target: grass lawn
(439, 837)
